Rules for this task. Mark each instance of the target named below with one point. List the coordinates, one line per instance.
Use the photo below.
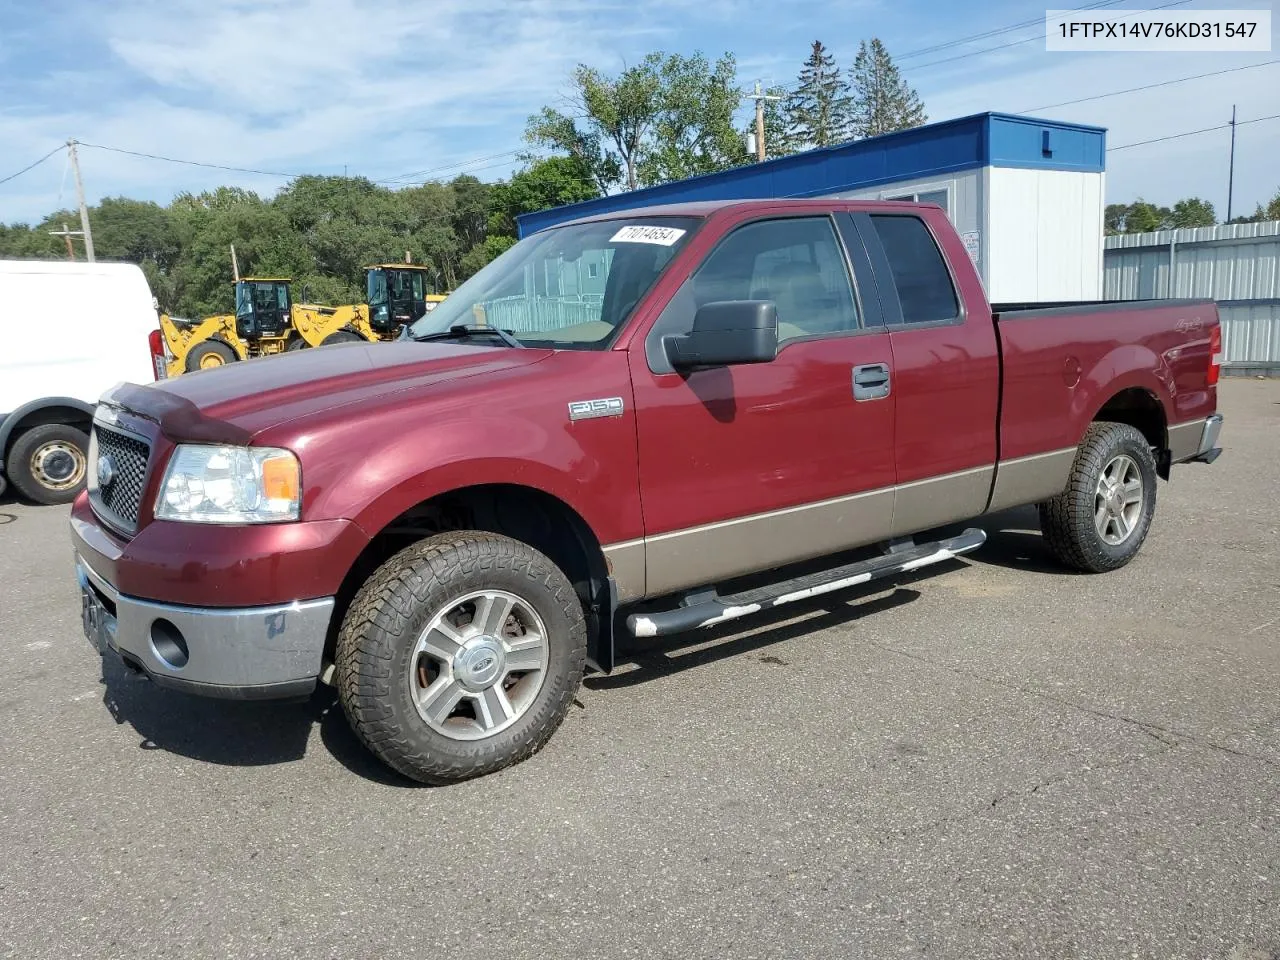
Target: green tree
(1192, 212)
(694, 130)
(819, 112)
(665, 117)
(1270, 212)
(551, 182)
(882, 100)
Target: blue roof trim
(994, 139)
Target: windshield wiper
(461, 331)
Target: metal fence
(1237, 265)
(524, 314)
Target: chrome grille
(118, 498)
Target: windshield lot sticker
(663, 236)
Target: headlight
(208, 484)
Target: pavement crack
(1161, 734)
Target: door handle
(871, 381)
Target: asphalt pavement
(1002, 759)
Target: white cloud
(409, 85)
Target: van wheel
(49, 463)
(1101, 520)
(210, 354)
(460, 656)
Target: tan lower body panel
(1031, 479)
(1184, 440)
(717, 551)
(682, 559)
(931, 503)
(626, 565)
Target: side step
(708, 609)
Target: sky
(433, 88)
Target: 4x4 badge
(586, 409)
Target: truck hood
(230, 404)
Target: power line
(991, 33)
(1014, 43)
(192, 163)
(996, 32)
(448, 166)
(1152, 86)
(1192, 133)
(32, 166)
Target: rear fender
(1126, 367)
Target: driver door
(750, 466)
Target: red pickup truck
(630, 422)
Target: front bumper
(245, 653)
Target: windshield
(377, 292)
(569, 286)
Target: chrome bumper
(1209, 448)
(250, 653)
(1196, 441)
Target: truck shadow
(653, 659)
(235, 733)
(248, 734)
(1013, 541)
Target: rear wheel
(210, 354)
(460, 656)
(49, 463)
(342, 336)
(1101, 520)
(297, 343)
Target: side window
(919, 272)
(798, 264)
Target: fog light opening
(168, 644)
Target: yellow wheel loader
(267, 322)
(261, 325)
(396, 294)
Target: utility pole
(1231, 171)
(84, 211)
(235, 264)
(760, 98)
(67, 235)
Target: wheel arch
(1139, 407)
(531, 515)
(36, 413)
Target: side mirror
(725, 332)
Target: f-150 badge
(587, 409)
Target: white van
(68, 332)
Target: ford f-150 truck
(653, 420)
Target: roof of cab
(705, 208)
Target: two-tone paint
(688, 478)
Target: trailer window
(919, 272)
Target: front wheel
(1101, 520)
(209, 355)
(460, 656)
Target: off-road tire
(1067, 520)
(391, 609)
(210, 348)
(342, 336)
(297, 343)
(28, 444)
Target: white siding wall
(964, 202)
(1045, 235)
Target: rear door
(749, 466)
(946, 371)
